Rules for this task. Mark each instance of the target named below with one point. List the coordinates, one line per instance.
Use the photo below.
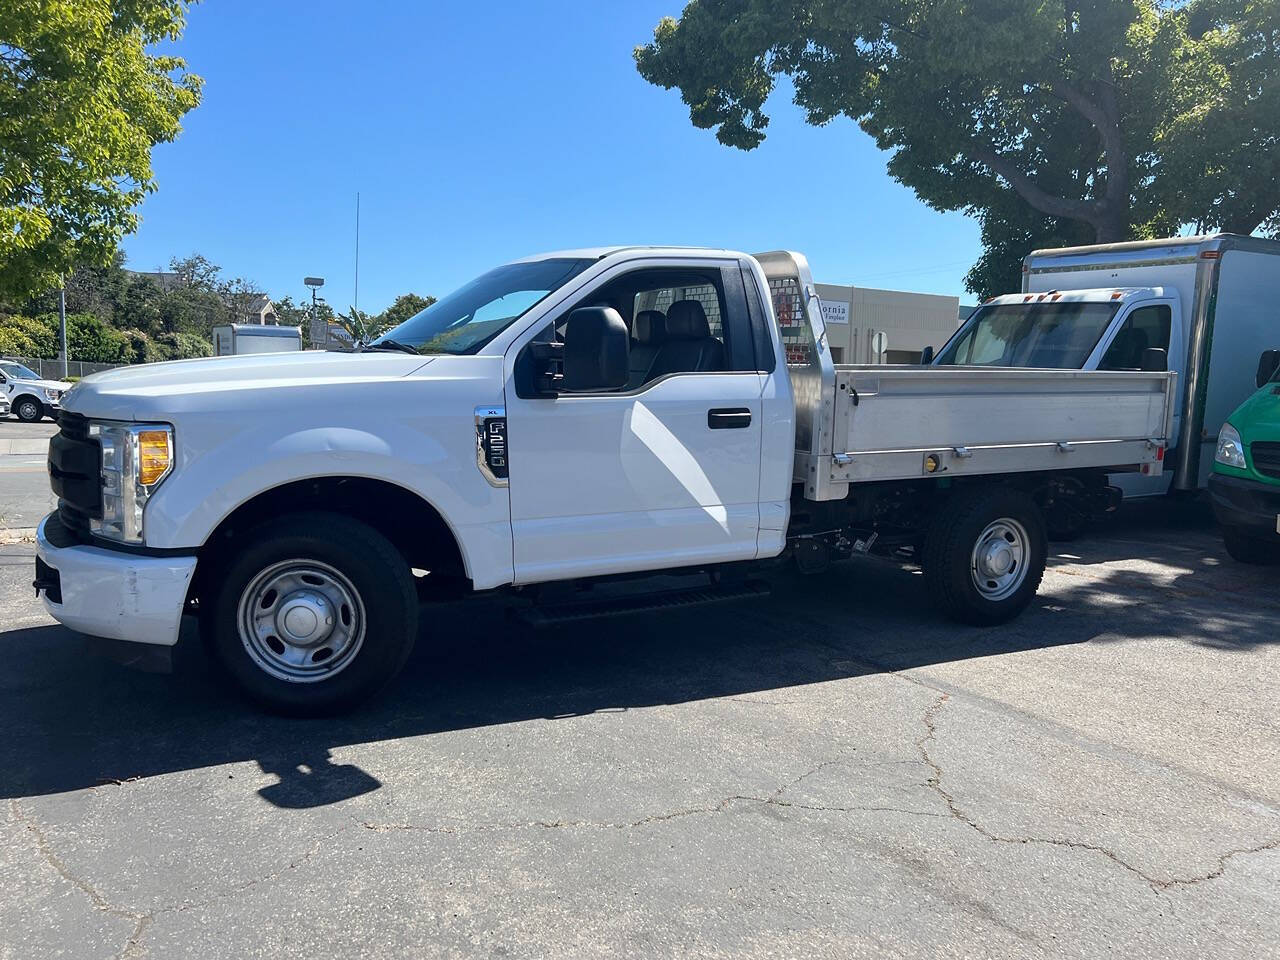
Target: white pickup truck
(559, 420)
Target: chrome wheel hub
(301, 621)
(998, 564)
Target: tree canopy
(1088, 121)
(82, 103)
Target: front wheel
(984, 555)
(314, 614)
(1246, 549)
(29, 410)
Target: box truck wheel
(984, 554)
(315, 613)
(1246, 549)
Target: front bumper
(110, 593)
(1250, 506)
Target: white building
(909, 322)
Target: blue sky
(477, 133)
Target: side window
(663, 298)
(1145, 327)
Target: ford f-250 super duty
(564, 418)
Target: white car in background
(29, 397)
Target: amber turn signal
(154, 456)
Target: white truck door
(1146, 323)
(664, 473)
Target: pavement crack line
(957, 812)
(720, 807)
(141, 921)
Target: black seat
(648, 333)
(690, 347)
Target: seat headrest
(650, 327)
(686, 320)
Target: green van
(1245, 484)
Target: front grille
(1266, 457)
(75, 473)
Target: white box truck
(238, 339)
(1210, 303)
(548, 424)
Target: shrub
(29, 337)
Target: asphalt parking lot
(832, 772)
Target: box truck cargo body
(238, 339)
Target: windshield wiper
(391, 345)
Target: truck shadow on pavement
(73, 720)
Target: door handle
(729, 418)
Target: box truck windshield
(1057, 335)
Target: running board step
(544, 615)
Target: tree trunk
(1111, 228)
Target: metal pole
(356, 305)
(62, 328)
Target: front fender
(221, 466)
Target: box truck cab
(1245, 484)
(1211, 303)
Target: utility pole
(356, 306)
(62, 325)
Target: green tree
(362, 326)
(1042, 120)
(93, 341)
(82, 103)
(195, 272)
(405, 306)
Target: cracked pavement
(830, 772)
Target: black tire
(1246, 549)
(949, 547)
(28, 409)
(1066, 526)
(383, 601)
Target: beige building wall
(909, 321)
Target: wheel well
(412, 524)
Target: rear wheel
(315, 614)
(1246, 549)
(28, 409)
(984, 555)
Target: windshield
(18, 371)
(471, 316)
(1047, 335)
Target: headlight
(1230, 448)
(136, 457)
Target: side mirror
(1267, 364)
(926, 356)
(1155, 359)
(597, 350)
